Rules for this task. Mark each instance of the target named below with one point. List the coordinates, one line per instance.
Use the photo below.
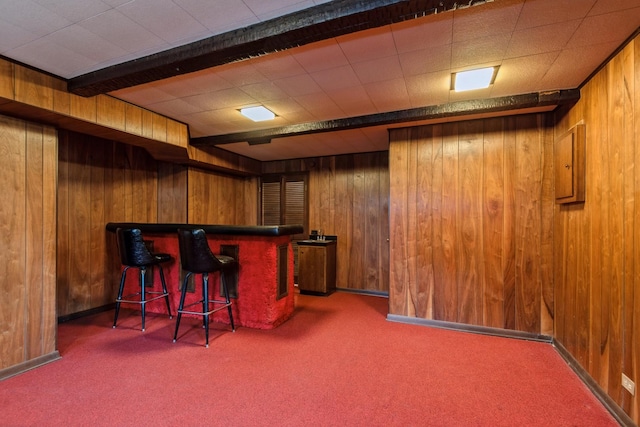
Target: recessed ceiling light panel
(473, 79)
(257, 114)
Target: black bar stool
(134, 253)
(197, 258)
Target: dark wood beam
(434, 112)
(316, 23)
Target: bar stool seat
(196, 258)
(135, 254)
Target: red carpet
(336, 362)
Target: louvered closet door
(284, 202)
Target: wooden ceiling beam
(324, 21)
(435, 112)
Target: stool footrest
(159, 295)
(201, 313)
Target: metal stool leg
(120, 291)
(181, 305)
(223, 282)
(143, 294)
(164, 290)
(205, 306)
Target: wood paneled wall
(221, 199)
(28, 154)
(597, 243)
(470, 219)
(349, 197)
(103, 181)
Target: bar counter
(265, 288)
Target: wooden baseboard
(28, 365)
(84, 313)
(484, 330)
(604, 398)
(365, 292)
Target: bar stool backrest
(195, 253)
(133, 251)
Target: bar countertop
(237, 230)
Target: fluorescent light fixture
(473, 79)
(257, 114)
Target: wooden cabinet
(569, 164)
(317, 267)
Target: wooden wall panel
(27, 215)
(493, 193)
(349, 197)
(101, 181)
(472, 191)
(221, 199)
(596, 242)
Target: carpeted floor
(336, 362)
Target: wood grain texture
(471, 192)
(34, 226)
(357, 210)
(596, 242)
(493, 229)
(101, 181)
(217, 199)
(27, 213)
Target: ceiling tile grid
(540, 45)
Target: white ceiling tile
(320, 56)
(164, 18)
(368, 45)
(390, 95)
(12, 37)
(240, 73)
(219, 16)
(352, 101)
(320, 105)
(546, 12)
(427, 32)
(142, 95)
(75, 10)
(545, 38)
(266, 91)
(488, 50)
(44, 54)
(522, 74)
(223, 98)
(266, 10)
(429, 89)
(606, 6)
(86, 43)
(498, 19)
(298, 85)
(115, 3)
(196, 83)
(284, 107)
(32, 17)
(336, 78)
(278, 66)
(173, 108)
(378, 70)
(580, 61)
(611, 27)
(426, 61)
(130, 36)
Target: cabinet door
(569, 166)
(311, 273)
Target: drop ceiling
(333, 93)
